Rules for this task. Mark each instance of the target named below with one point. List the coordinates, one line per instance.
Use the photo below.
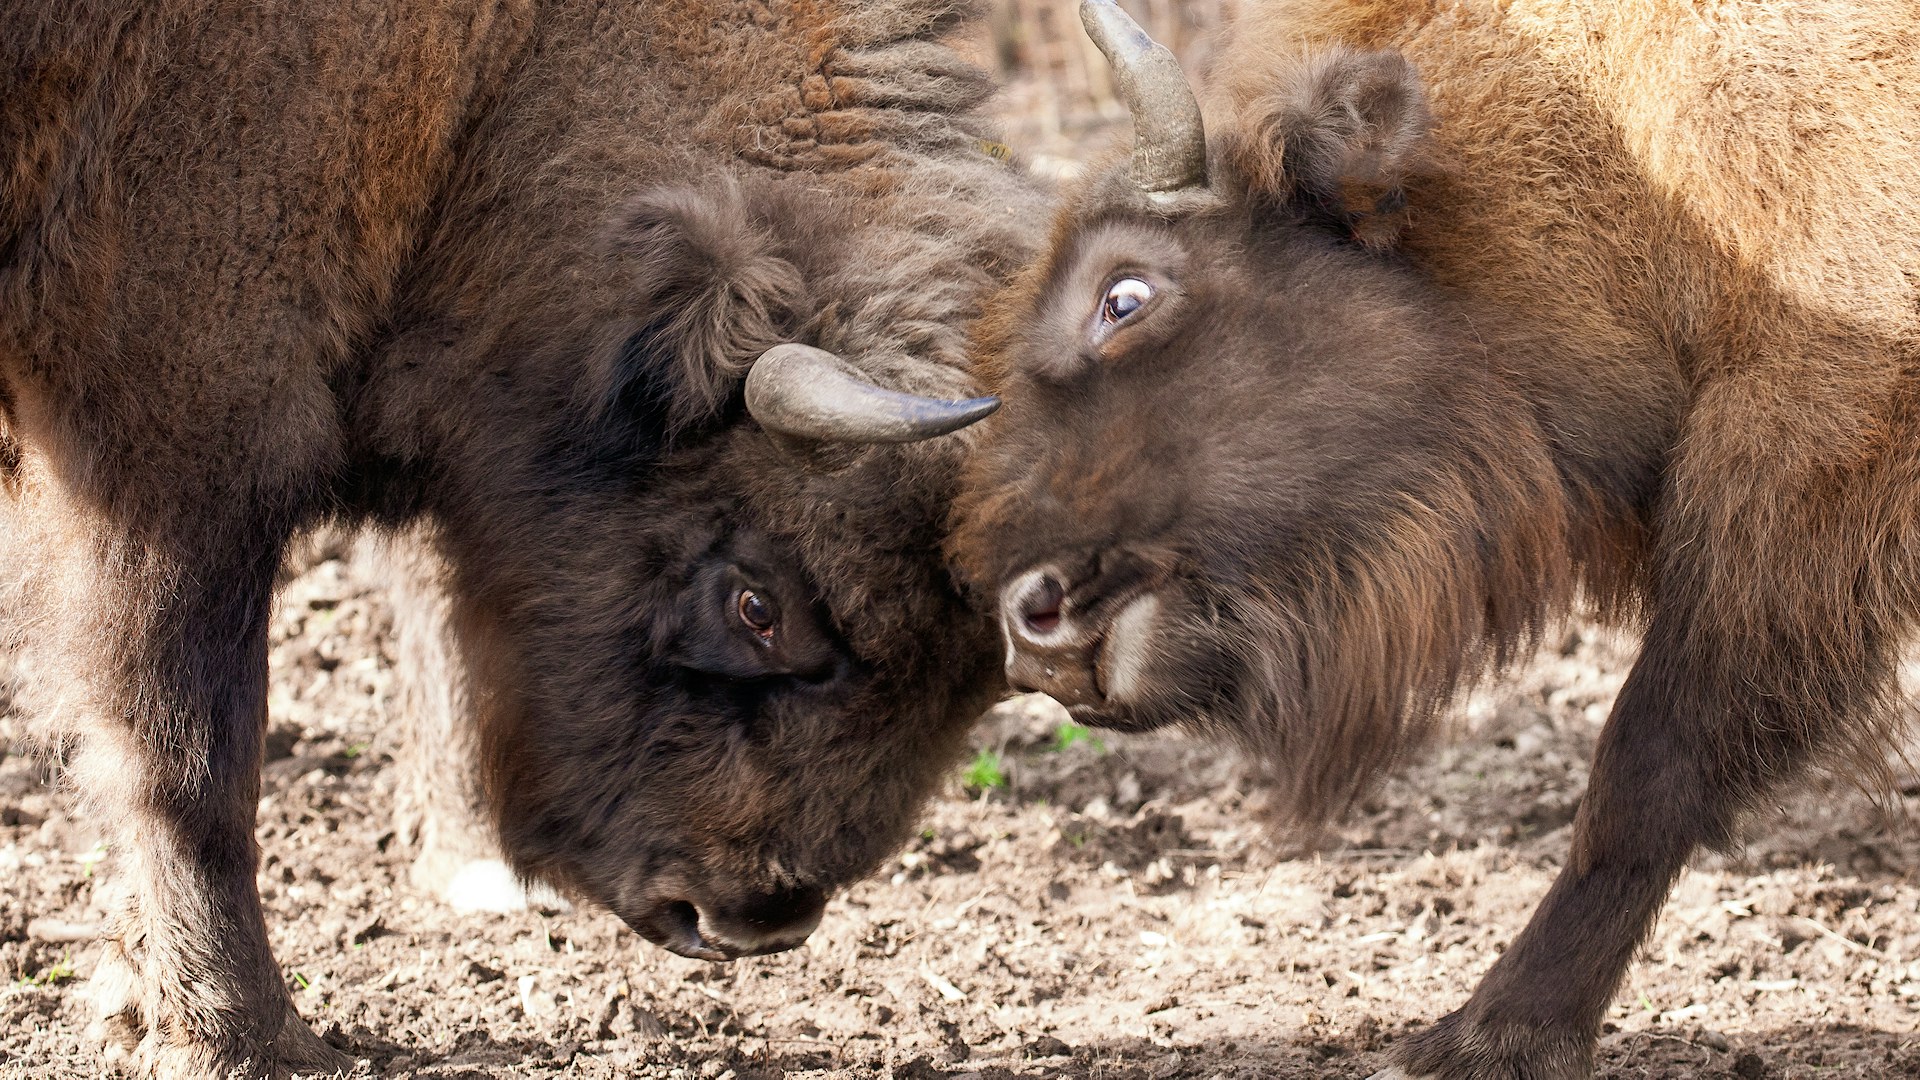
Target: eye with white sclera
(757, 614)
(1124, 297)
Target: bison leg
(1651, 801)
(168, 650)
(443, 805)
(1745, 678)
(1684, 751)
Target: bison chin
(1323, 690)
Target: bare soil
(1115, 909)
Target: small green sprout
(1070, 733)
(54, 975)
(985, 771)
(92, 858)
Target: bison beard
(1296, 446)
(495, 283)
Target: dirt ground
(1113, 910)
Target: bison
(641, 315)
(1312, 422)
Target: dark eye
(1124, 297)
(756, 612)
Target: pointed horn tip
(800, 391)
(974, 410)
(1109, 25)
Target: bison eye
(1124, 297)
(757, 613)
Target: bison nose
(1047, 650)
(1036, 599)
(769, 923)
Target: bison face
(1249, 466)
(722, 657)
(779, 672)
(1207, 420)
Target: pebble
(1048, 1046)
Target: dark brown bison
(607, 302)
(1311, 423)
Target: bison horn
(1169, 143)
(806, 393)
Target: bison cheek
(1163, 662)
(1129, 647)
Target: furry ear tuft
(716, 294)
(1335, 132)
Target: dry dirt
(1114, 910)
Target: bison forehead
(869, 537)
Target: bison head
(1253, 473)
(722, 659)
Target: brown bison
(1312, 422)
(608, 302)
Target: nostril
(1039, 605)
(767, 923)
(786, 910)
(682, 918)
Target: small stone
(535, 1001)
(1713, 1040)
(60, 931)
(1048, 1046)
(645, 1024)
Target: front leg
(443, 806)
(1697, 735)
(164, 644)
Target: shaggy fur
(493, 270)
(1650, 337)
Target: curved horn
(1169, 144)
(808, 393)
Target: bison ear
(709, 293)
(1335, 134)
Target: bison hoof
(1458, 1049)
(299, 1051)
(295, 1052)
(131, 1046)
(488, 885)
